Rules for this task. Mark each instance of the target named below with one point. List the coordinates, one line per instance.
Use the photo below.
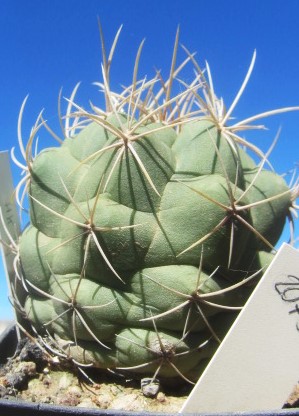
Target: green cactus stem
(150, 223)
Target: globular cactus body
(144, 236)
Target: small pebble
(75, 390)
(27, 368)
(47, 381)
(69, 399)
(65, 381)
(87, 403)
(161, 397)
(19, 378)
(150, 387)
(104, 400)
(129, 402)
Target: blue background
(49, 44)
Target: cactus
(150, 224)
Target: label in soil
(9, 221)
(257, 364)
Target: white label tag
(10, 217)
(257, 365)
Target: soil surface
(31, 376)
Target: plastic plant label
(257, 364)
(9, 221)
